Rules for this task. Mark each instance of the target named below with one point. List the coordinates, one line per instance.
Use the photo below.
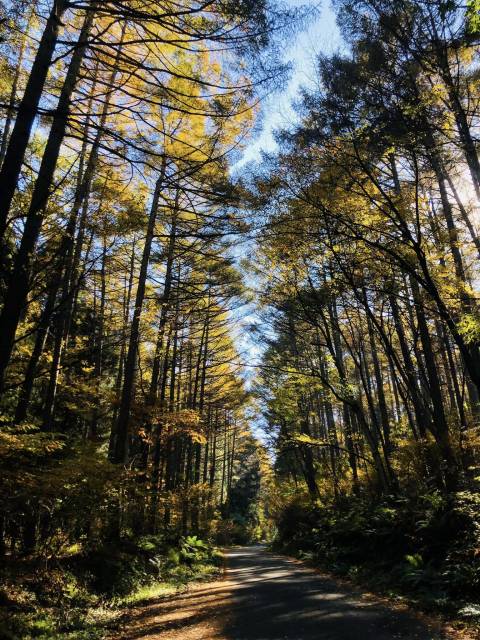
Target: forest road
(265, 596)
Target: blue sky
(321, 35)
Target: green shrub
(427, 545)
(57, 603)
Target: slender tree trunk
(198, 446)
(157, 360)
(382, 403)
(159, 453)
(120, 450)
(13, 93)
(352, 458)
(171, 451)
(19, 280)
(39, 345)
(28, 110)
(64, 251)
(126, 309)
(99, 343)
(439, 426)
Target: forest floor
(264, 596)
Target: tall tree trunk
(121, 358)
(159, 453)
(13, 93)
(382, 403)
(19, 280)
(99, 343)
(60, 271)
(120, 449)
(439, 425)
(40, 339)
(198, 446)
(159, 347)
(28, 110)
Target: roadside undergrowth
(84, 594)
(420, 550)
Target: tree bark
(121, 444)
(13, 94)
(28, 110)
(19, 280)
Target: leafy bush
(45, 602)
(425, 545)
(192, 550)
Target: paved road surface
(275, 598)
(270, 597)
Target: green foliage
(173, 556)
(65, 492)
(245, 516)
(425, 546)
(85, 594)
(192, 550)
(149, 543)
(473, 16)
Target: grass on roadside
(85, 599)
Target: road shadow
(274, 598)
(195, 615)
(270, 597)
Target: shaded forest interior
(137, 253)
